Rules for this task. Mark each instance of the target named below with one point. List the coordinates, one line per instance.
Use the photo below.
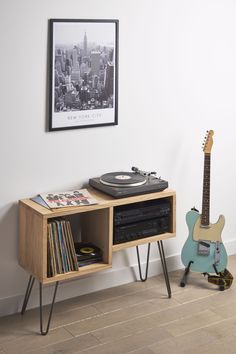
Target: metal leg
(184, 278)
(164, 267)
(41, 309)
(147, 263)
(27, 294)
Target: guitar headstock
(208, 142)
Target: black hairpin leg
(41, 309)
(26, 299)
(147, 263)
(27, 294)
(184, 278)
(164, 267)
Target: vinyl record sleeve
(77, 197)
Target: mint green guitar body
(203, 263)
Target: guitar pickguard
(211, 233)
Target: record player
(126, 184)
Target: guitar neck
(206, 190)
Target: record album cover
(80, 197)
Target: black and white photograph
(83, 73)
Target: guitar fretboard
(206, 190)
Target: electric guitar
(203, 250)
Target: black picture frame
(83, 73)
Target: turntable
(126, 184)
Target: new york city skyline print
(83, 73)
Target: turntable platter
(122, 179)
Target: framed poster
(83, 73)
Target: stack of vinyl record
(61, 250)
(87, 253)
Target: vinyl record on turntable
(122, 179)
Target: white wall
(177, 78)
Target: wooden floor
(136, 318)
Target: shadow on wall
(9, 232)
(9, 249)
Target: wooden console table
(96, 226)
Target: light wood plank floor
(135, 318)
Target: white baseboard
(95, 282)
(230, 247)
